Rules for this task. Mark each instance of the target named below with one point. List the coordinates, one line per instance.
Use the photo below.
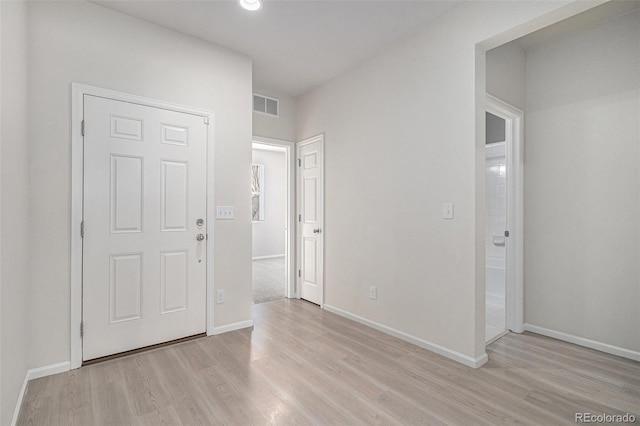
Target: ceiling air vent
(266, 105)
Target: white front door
(144, 246)
(311, 219)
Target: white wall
(14, 224)
(404, 134)
(268, 235)
(506, 74)
(282, 127)
(85, 43)
(582, 186)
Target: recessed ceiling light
(250, 4)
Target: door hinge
(299, 218)
(206, 120)
(82, 329)
(299, 273)
(82, 127)
(299, 162)
(506, 233)
(82, 229)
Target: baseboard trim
(230, 327)
(440, 350)
(23, 391)
(267, 257)
(581, 341)
(49, 370)
(36, 373)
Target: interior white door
(311, 219)
(496, 197)
(496, 253)
(144, 247)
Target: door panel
(144, 272)
(311, 209)
(174, 195)
(125, 287)
(309, 197)
(174, 279)
(310, 261)
(126, 194)
(496, 224)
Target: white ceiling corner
(295, 45)
(577, 23)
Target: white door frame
(317, 138)
(514, 301)
(290, 231)
(77, 181)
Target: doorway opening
(270, 209)
(503, 232)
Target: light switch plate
(224, 212)
(447, 211)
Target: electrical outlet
(373, 292)
(224, 212)
(220, 296)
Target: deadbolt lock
(200, 222)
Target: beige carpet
(269, 279)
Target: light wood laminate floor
(301, 365)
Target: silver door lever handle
(200, 237)
(316, 231)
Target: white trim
(274, 256)
(498, 337)
(48, 370)
(23, 392)
(515, 208)
(36, 373)
(231, 327)
(290, 230)
(582, 341)
(266, 147)
(77, 178)
(300, 144)
(27, 232)
(77, 214)
(440, 350)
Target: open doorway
(270, 204)
(581, 159)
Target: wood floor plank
(112, 404)
(106, 372)
(300, 365)
(143, 386)
(73, 404)
(310, 402)
(165, 416)
(36, 411)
